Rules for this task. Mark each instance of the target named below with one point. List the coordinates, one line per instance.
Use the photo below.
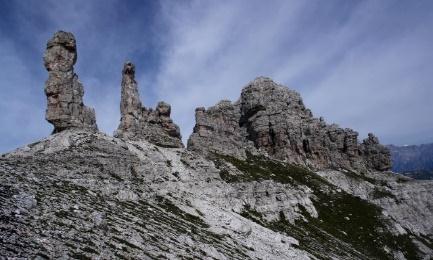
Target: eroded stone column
(140, 123)
(65, 107)
(130, 104)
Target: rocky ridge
(81, 194)
(271, 119)
(138, 123)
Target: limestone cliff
(269, 118)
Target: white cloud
(348, 63)
(20, 113)
(215, 49)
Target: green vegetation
(168, 163)
(360, 177)
(347, 226)
(90, 250)
(170, 207)
(80, 256)
(123, 241)
(257, 169)
(253, 214)
(380, 193)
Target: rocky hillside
(415, 161)
(261, 178)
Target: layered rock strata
(65, 107)
(270, 118)
(140, 123)
(81, 194)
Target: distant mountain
(415, 161)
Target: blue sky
(367, 65)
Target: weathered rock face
(83, 194)
(376, 156)
(65, 107)
(140, 123)
(273, 119)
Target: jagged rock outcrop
(376, 156)
(65, 107)
(271, 118)
(140, 123)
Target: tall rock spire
(130, 104)
(65, 108)
(139, 123)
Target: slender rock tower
(140, 123)
(65, 108)
(130, 104)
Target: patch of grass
(120, 256)
(169, 206)
(426, 240)
(70, 245)
(256, 168)
(360, 177)
(227, 177)
(127, 243)
(42, 255)
(402, 180)
(199, 212)
(347, 226)
(80, 256)
(351, 219)
(379, 193)
(252, 214)
(62, 214)
(114, 175)
(90, 250)
(185, 162)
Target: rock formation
(375, 155)
(272, 119)
(81, 194)
(86, 195)
(138, 123)
(65, 108)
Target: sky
(365, 65)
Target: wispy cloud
(20, 117)
(362, 64)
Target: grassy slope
(347, 226)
